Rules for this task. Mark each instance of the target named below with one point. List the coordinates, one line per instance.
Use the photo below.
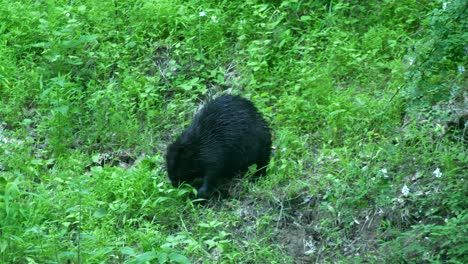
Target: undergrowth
(366, 101)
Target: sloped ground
(365, 101)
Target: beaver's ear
(186, 152)
(180, 151)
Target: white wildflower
(461, 69)
(213, 18)
(437, 173)
(202, 13)
(411, 61)
(405, 190)
(444, 5)
(384, 173)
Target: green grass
(366, 101)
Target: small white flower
(444, 5)
(439, 128)
(67, 14)
(213, 18)
(461, 69)
(384, 173)
(437, 173)
(411, 61)
(202, 13)
(405, 190)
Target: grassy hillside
(367, 102)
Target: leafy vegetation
(366, 100)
